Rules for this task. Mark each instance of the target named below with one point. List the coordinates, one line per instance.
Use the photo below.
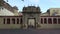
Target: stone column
(10, 20)
(15, 20)
(47, 20)
(52, 20)
(5, 20)
(19, 20)
(57, 20)
(43, 20)
(40, 20)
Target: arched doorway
(31, 22)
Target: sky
(43, 4)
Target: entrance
(31, 22)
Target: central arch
(31, 22)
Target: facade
(30, 16)
(10, 22)
(5, 11)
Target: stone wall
(49, 26)
(11, 25)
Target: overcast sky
(43, 4)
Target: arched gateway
(31, 16)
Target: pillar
(52, 20)
(57, 20)
(5, 20)
(43, 20)
(15, 20)
(10, 20)
(19, 20)
(40, 20)
(47, 20)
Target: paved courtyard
(30, 31)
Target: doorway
(31, 22)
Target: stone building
(7, 9)
(8, 15)
(54, 11)
(30, 16)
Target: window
(58, 20)
(21, 21)
(13, 21)
(49, 21)
(45, 21)
(4, 21)
(41, 20)
(54, 21)
(17, 21)
(8, 20)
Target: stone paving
(29, 31)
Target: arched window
(54, 21)
(21, 21)
(13, 20)
(49, 20)
(4, 21)
(17, 21)
(58, 20)
(8, 20)
(41, 20)
(45, 21)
